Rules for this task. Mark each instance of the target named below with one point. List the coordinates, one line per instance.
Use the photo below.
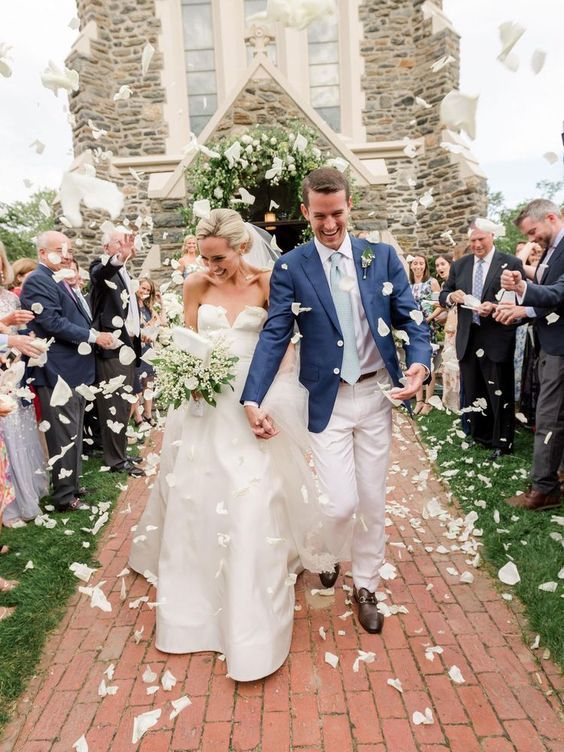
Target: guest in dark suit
(542, 223)
(59, 315)
(484, 346)
(114, 309)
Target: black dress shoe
(85, 491)
(497, 454)
(368, 615)
(135, 458)
(129, 468)
(328, 579)
(75, 505)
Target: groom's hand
(261, 424)
(414, 378)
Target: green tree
(499, 212)
(22, 221)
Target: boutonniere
(366, 260)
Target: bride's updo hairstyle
(227, 224)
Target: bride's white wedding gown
(232, 520)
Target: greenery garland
(263, 156)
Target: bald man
(114, 309)
(60, 316)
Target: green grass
(523, 535)
(44, 591)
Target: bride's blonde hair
(227, 224)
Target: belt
(362, 377)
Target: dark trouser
(92, 437)
(63, 437)
(112, 407)
(549, 435)
(493, 426)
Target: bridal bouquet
(181, 375)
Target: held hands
(513, 281)
(17, 318)
(261, 424)
(509, 313)
(414, 378)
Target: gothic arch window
(324, 70)
(199, 61)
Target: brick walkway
(507, 701)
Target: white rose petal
(383, 328)
(149, 676)
(146, 57)
(81, 745)
(416, 315)
(331, 659)
(548, 587)
(179, 705)
(424, 718)
(387, 288)
(396, 684)
(168, 681)
(143, 723)
(455, 675)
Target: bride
(231, 521)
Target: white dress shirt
(368, 353)
(485, 269)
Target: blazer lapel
(493, 273)
(556, 253)
(313, 268)
(364, 277)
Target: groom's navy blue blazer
(63, 319)
(298, 277)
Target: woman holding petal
(232, 521)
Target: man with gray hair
(484, 347)
(541, 221)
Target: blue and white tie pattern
(350, 369)
(477, 288)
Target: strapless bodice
(241, 336)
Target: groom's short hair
(324, 180)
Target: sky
(519, 114)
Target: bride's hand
(261, 424)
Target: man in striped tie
(350, 294)
(484, 347)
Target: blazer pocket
(309, 373)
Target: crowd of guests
(77, 397)
(498, 349)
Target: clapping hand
(261, 424)
(457, 297)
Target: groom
(351, 294)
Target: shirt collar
(326, 253)
(487, 258)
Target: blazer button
(340, 343)
(336, 371)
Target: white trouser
(351, 456)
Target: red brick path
(507, 703)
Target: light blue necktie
(350, 370)
(477, 288)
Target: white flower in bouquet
(173, 308)
(182, 376)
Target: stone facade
(397, 50)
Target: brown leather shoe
(368, 615)
(535, 500)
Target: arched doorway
(277, 210)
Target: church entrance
(277, 211)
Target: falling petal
(146, 57)
(94, 192)
(55, 78)
(458, 112)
